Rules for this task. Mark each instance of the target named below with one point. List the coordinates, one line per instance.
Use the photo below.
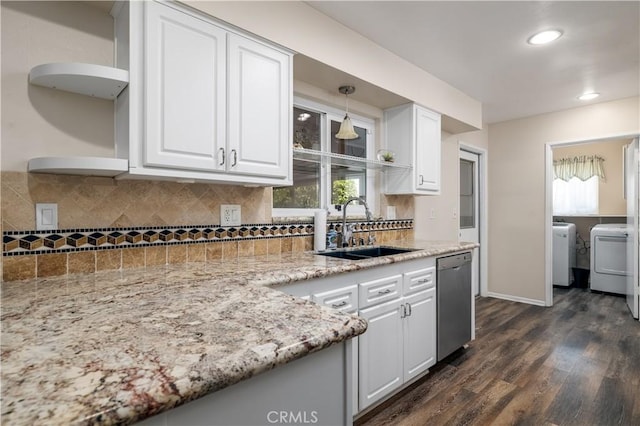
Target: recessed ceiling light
(544, 37)
(588, 96)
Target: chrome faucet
(347, 231)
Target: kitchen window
(321, 179)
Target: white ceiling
(480, 48)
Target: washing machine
(609, 257)
(564, 253)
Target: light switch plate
(46, 216)
(230, 215)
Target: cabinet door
(185, 90)
(427, 147)
(260, 105)
(380, 352)
(419, 333)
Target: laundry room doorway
(585, 188)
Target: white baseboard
(516, 298)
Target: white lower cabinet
(398, 302)
(381, 352)
(399, 344)
(419, 336)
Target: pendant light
(346, 128)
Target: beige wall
(38, 121)
(517, 187)
(303, 29)
(611, 201)
(444, 225)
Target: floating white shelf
(86, 79)
(87, 166)
(344, 160)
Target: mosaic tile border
(17, 243)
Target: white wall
(445, 226)
(303, 29)
(517, 187)
(38, 121)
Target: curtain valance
(583, 167)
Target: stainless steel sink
(365, 253)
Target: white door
(260, 105)
(632, 193)
(470, 208)
(419, 333)
(427, 150)
(185, 90)
(380, 352)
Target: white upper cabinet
(185, 90)
(205, 102)
(259, 108)
(413, 133)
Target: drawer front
(421, 279)
(381, 290)
(345, 299)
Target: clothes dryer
(609, 257)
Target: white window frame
(329, 114)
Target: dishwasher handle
(455, 261)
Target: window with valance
(575, 185)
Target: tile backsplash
(110, 224)
(95, 202)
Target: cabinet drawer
(419, 280)
(381, 290)
(344, 299)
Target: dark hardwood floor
(577, 363)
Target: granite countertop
(120, 346)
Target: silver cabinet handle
(387, 291)
(222, 156)
(421, 180)
(235, 158)
(339, 305)
(409, 306)
(423, 281)
(403, 311)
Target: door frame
(548, 203)
(483, 212)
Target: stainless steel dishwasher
(453, 290)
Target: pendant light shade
(346, 128)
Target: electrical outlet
(46, 216)
(230, 215)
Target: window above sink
(326, 170)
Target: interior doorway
(612, 207)
(472, 210)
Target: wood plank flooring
(577, 363)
